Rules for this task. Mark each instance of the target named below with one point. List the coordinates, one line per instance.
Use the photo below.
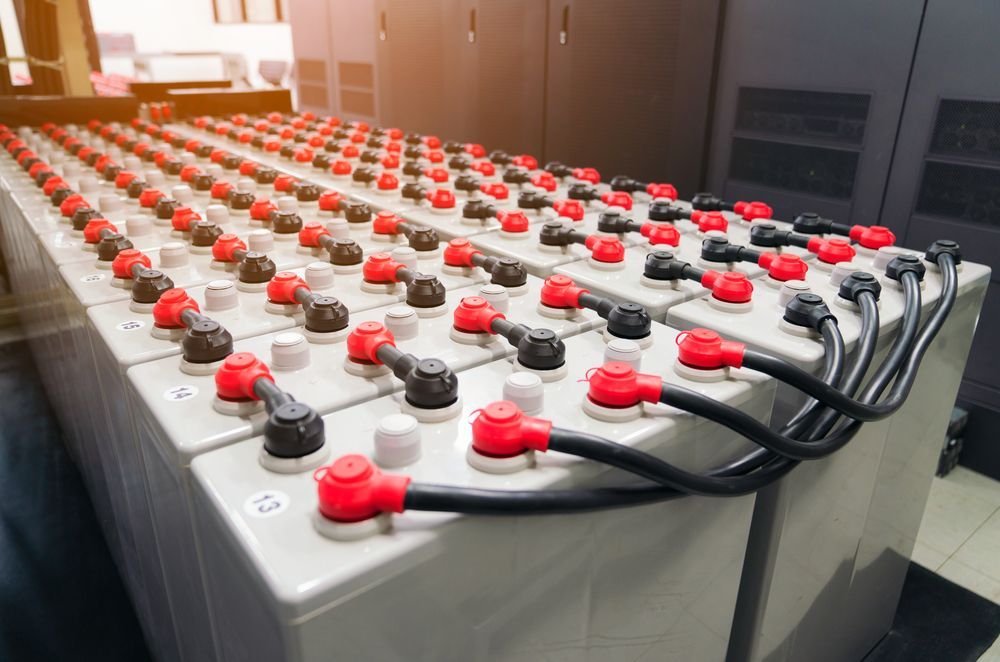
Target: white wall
(188, 25)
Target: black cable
(835, 399)
(648, 466)
(504, 502)
(866, 344)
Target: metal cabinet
(945, 179)
(628, 86)
(806, 118)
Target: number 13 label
(266, 504)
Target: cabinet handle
(383, 32)
(472, 26)
(564, 32)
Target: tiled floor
(960, 535)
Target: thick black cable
(504, 502)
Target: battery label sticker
(266, 504)
(92, 278)
(178, 393)
(130, 325)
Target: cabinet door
(419, 53)
(805, 119)
(945, 178)
(311, 40)
(628, 86)
(504, 80)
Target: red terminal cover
(386, 222)
(832, 250)
(140, 149)
(605, 249)
(544, 180)
(484, 168)
(571, 209)
(225, 246)
(283, 183)
(330, 201)
(192, 145)
(237, 375)
(525, 161)
(124, 178)
(459, 252)
(433, 142)
(71, 204)
(281, 288)
(168, 308)
(501, 429)
(587, 175)
(707, 221)
(390, 161)
(217, 155)
(303, 155)
(286, 133)
(560, 291)
(513, 221)
(353, 489)
(272, 145)
(728, 286)
(433, 155)
(380, 268)
(341, 167)
(183, 218)
(248, 167)
(475, 150)
(387, 182)
(261, 208)
(363, 342)
(122, 265)
(753, 210)
(872, 237)
(37, 168)
(783, 266)
(310, 233)
(350, 152)
(220, 190)
(442, 198)
(662, 191)
(187, 173)
(51, 184)
(85, 152)
(475, 315)
(92, 232)
(316, 141)
(660, 234)
(618, 385)
(438, 175)
(496, 190)
(706, 350)
(617, 199)
(149, 197)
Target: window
(250, 11)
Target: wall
(189, 25)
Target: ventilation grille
(961, 192)
(313, 71)
(832, 116)
(313, 95)
(815, 171)
(970, 129)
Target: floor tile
(928, 557)
(982, 550)
(953, 514)
(975, 483)
(971, 579)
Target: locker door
(419, 52)
(945, 178)
(310, 21)
(505, 76)
(628, 85)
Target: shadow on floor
(61, 597)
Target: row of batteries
(290, 353)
